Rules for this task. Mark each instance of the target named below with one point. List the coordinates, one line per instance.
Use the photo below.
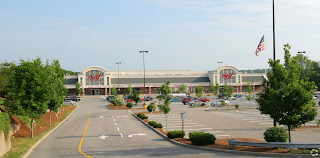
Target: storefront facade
(96, 80)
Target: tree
(199, 90)
(130, 89)
(183, 88)
(118, 101)
(305, 64)
(287, 98)
(211, 89)
(227, 90)
(136, 97)
(250, 88)
(165, 91)
(78, 89)
(114, 90)
(315, 73)
(30, 90)
(216, 89)
(5, 76)
(59, 91)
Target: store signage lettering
(227, 77)
(94, 78)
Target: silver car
(219, 102)
(195, 103)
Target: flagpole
(265, 54)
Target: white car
(219, 102)
(195, 103)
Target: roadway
(110, 133)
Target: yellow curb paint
(84, 133)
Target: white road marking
(101, 116)
(114, 120)
(122, 116)
(129, 110)
(115, 124)
(121, 135)
(118, 128)
(140, 134)
(103, 137)
(192, 129)
(183, 126)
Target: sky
(178, 34)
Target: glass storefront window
(94, 77)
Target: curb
(45, 136)
(222, 150)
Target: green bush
(319, 103)
(142, 116)
(201, 138)
(4, 123)
(157, 125)
(151, 123)
(176, 134)
(129, 105)
(160, 107)
(236, 106)
(151, 107)
(203, 104)
(117, 101)
(275, 134)
(318, 122)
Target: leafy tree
(211, 89)
(199, 90)
(287, 98)
(165, 91)
(227, 90)
(249, 97)
(30, 89)
(315, 73)
(5, 76)
(114, 90)
(78, 89)
(59, 91)
(305, 64)
(136, 97)
(183, 88)
(250, 88)
(130, 89)
(216, 89)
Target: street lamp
(219, 62)
(144, 77)
(302, 63)
(118, 63)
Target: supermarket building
(96, 80)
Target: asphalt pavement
(110, 133)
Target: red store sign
(94, 78)
(227, 77)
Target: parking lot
(246, 122)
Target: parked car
(109, 97)
(149, 98)
(222, 96)
(185, 100)
(72, 98)
(70, 102)
(219, 102)
(315, 96)
(204, 99)
(195, 103)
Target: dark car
(223, 96)
(109, 97)
(149, 98)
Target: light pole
(219, 62)
(144, 78)
(118, 63)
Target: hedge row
(176, 134)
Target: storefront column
(149, 90)
(253, 88)
(241, 88)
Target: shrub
(176, 134)
(319, 103)
(223, 103)
(151, 107)
(236, 106)
(152, 123)
(142, 116)
(275, 134)
(318, 122)
(129, 105)
(117, 101)
(203, 104)
(201, 138)
(157, 125)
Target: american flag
(260, 46)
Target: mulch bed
(38, 129)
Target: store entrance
(94, 91)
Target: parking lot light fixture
(118, 63)
(144, 77)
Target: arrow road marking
(140, 134)
(103, 137)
